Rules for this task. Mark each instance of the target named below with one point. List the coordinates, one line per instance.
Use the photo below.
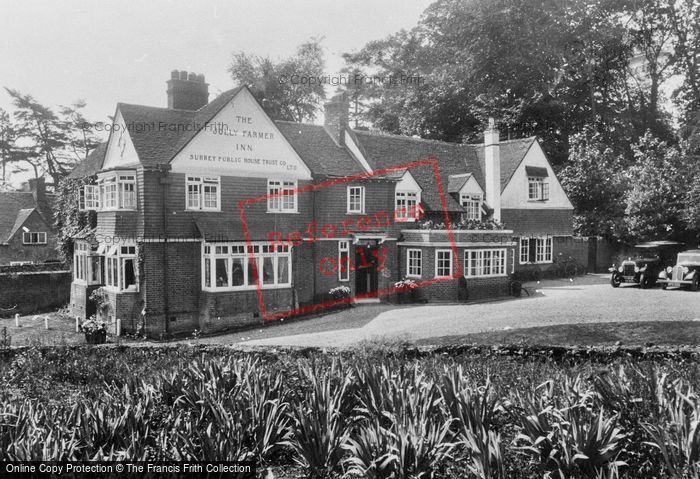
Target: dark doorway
(366, 275)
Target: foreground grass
(378, 411)
(663, 333)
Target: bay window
(485, 262)
(87, 265)
(121, 271)
(281, 196)
(115, 190)
(229, 267)
(203, 193)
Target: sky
(105, 52)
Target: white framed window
(121, 268)
(472, 205)
(89, 198)
(38, 237)
(87, 265)
(127, 192)
(344, 260)
(115, 190)
(406, 205)
(203, 193)
(524, 250)
(356, 199)
(229, 267)
(543, 250)
(281, 196)
(414, 263)
(443, 263)
(537, 188)
(485, 263)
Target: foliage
(339, 292)
(381, 415)
(405, 284)
(69, 221)
(283, 88)
(50, 142)
(100, 297)
(462, 224)
(93, 325)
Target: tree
(596, 185)
(658, 181)
(289, 90)
(685, 21)
(51, 143)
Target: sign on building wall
(241, 140)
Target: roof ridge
(404, 137)
(514, 140)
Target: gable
(408, 183)
(515, 193)
(240, 140)
(120, 147)
(471, 187)
(29, 217)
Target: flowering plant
(405, 284)
(93, 325)
(339, 292)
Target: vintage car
(650, 259)
(685, 273)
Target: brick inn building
(212, 216)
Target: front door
(366, 276)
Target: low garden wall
(27, 292)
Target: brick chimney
(187, 91)
(492, 160)
(336, 117)
(38, 188)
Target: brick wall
(16, 250)
(34, 292)
(539, 222)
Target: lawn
(32, 331)
(645, 333)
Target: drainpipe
(165, 182)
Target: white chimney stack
(492, 157)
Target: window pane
(252, 278)
(207, 272)
(283, 270)
(95, 273)
(237, 273)
(221, 272)
(128, 273)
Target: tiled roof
(456, 182)
(512, 153)
(156, 145)
(92, 164)
(317, 149)
(15, 208)
(384, 150)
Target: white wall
(229, 147)
(515, 195)
(117, 154)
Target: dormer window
(472, 204)
(406, 205)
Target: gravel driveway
(586, 299)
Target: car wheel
(615, 281)
(695, 284)
(664, 286)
